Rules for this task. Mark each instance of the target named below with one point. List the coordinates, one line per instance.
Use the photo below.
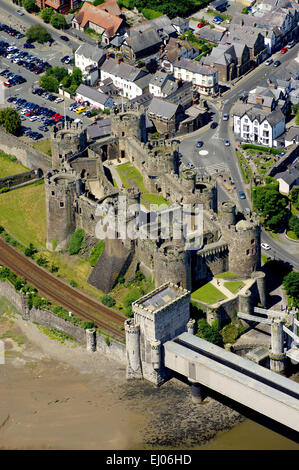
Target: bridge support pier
(277, 356)
(198, 393)
(91, 340)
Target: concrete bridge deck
(241, 380)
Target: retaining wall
(18, 179)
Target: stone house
(230, 61)
(139, 44)
(89, 60)
(204, 77)
(176, 49)
(256, 125)
(165, 115)
(253, 39)
(99, 20)
(268, 98)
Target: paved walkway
(219, 284)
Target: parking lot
(35, 56)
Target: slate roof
(178, 21)
(256, 112)
(99, 129)
(143, 82)
(241, 34)
(89, 13)
(289, 176)
(162, 108)
(211, 35)
(139, 41)
(111, 6)
(91, 52)
(162, 24)
(122, 70)
(195, 67)
(92, 94)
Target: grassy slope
(234, 286)
(9, 167)
(23, 214)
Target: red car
(7, 84)
(283, 50)
(38, 70)
(201, 25)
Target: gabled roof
(160, 24)
(257, 113)
(194, 67)
(111, 6)
(92, 94)
(90, 52)
(122, 70)
(89, 13)
(289, 176)
(162, 108)
(139, 41)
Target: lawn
(208, 294)
(234, 286)
(292, 235)
(9, 165)
(225, 275)
(44, 146)
(23, 214)
(130, 177)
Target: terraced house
(204, 77)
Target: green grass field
(43, 146)
(208, 294)
(9, 165)
(234, 286)
(23, 214)
(225, 275)
(156, 199)
(292, 235)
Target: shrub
(46, 14)
(10, 120)
(58, 21)
(96, 252)
(108, 300)
(30, 251)
(76, 241)
(87, 325)
(19, 283)
(30, 6)
(5, 189)
(73, 283)
(207, 332)
(41, 261)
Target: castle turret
(62, 187)
(128, 124)
(67, 141)
(228, 213)
(173, 263)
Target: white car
(33, 118)
(269, 62)
(19, 12)
(225, 117)
(265, 246)
(58, 100)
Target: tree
(30, 5)
(76, 77)
(10, 120)
(47, 13)
(294, 196)
(270, 205)
(294, 225)
(76, 241)
(58, 21)
(244, 11)
(108, 300)
(38, 33)
(291, 285)
(207, 332)
(49, 83)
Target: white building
(162, 84)
(130, 81)
(256, 125)
(96, 99)
(202, 76)
(89, 59)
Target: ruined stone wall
(20, 178)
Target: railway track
(57, 290)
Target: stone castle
(80, 192)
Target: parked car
(225, 117)
(64, 38)
(214, 125)
(276, 63)
(265, 246)
(201, 24)
(227, 143)
(19, 12)
(269, 62)
(59, 100)
(64, 58)
(27, 45)
(281, 154)
(283, 50)
(290, 44)
(81, 109)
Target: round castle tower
(67, 141)
(244, 239)
(128, 124)
(173, 263)
(62, 188)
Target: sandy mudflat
(56, 396)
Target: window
(245, 120)
(265, 133)
(52, 192)
(61, 204)
(265, 125)
(246, 128)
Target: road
(214, 157)
(54, 288)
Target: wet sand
(57, 396)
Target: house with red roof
(99, 19)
